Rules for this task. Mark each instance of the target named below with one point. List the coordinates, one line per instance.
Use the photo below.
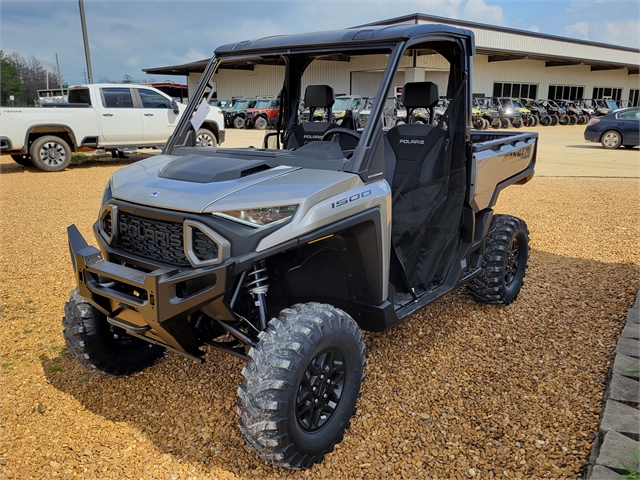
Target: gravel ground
(459, 390)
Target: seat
(315, 96)
(408, 143)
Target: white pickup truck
(109, 116)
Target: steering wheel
(338, 130)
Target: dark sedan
(621, 127)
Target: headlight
(260, 217)
(509, 111)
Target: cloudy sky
(126, 36)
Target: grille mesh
(161, 241)
(203, 246)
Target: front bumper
(221, 135)
(152, 305)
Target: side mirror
(174, 106)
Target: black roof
(340, 38)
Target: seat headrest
(420, 95)
(319, 96)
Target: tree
(10, 82)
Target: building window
(566, 92)
(634, 93)
(516, 90)
(607, 92)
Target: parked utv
(237, 114)
(280, 256)
(489, 114)
(537, 109)
(573, 112)
(558, 114)
(346, 110)
(510, 114)
(389, 113)
(263, 114)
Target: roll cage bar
(296, 61)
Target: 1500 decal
(352, 198)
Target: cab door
(121, 120)
(158, 118)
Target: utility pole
(86, 40)
(59, 74)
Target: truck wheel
(50, 153)
(204, 138)
(517, 122)
(24, 160)
(238, 122)
(504, 262)
(573, 120)
(611, 139)
(505, 122)
(260, 123)
(99, 346)
(301, 385)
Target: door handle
(107, 114)
(148, 114)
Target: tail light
(593, 121)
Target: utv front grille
(160, 241)
(203, 247)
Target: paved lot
(459, 390)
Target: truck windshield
(79, 95)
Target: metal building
(509, 62)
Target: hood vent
(201, 169)
(251, 171)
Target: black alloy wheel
(320, 390)
(301, 385)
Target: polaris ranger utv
(280, 256)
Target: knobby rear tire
(502, 275)
(276, 405)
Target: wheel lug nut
(324, 396)
(314, 389)
(329, 381)
(315, 401)
(321, 377)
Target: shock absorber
(257, 286)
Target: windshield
(262, 104)
(611, 104)
(298, 78)
(341, 103)
(239, 105)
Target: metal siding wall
(264, 80)
(523, 43)
(534, 71)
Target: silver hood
(199, 184)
